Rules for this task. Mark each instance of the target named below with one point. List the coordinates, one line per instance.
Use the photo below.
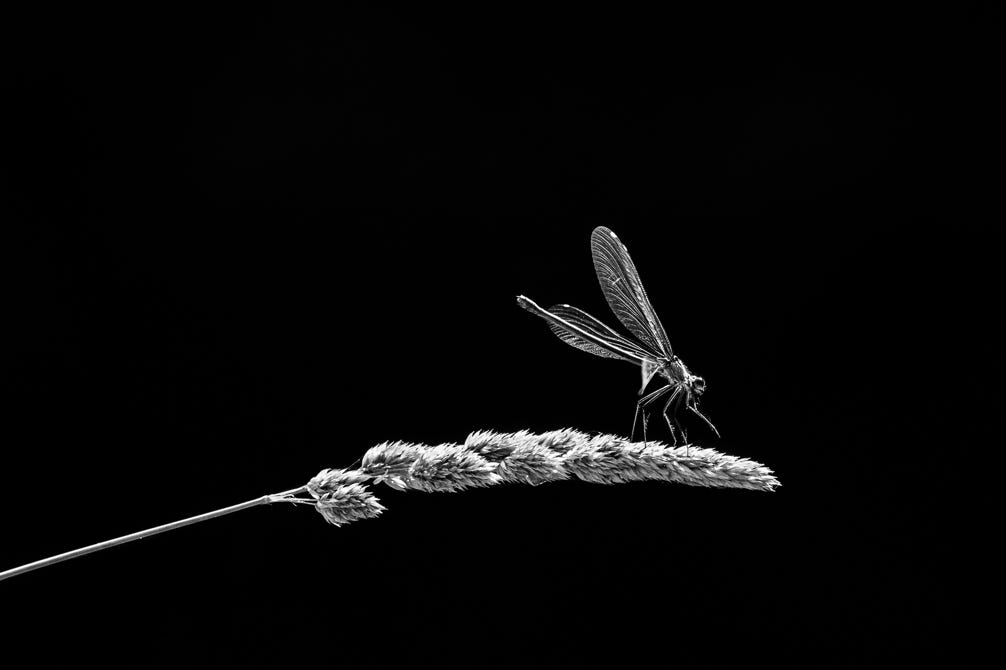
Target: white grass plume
(487, 458)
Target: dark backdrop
(246, 247)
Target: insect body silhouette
(652, 352)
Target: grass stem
(264, 500)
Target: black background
(246, 247)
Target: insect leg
(683, 401)
(640, 407)
(704, 418)
(673, 403)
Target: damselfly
(652, 352)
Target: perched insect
(627, 299)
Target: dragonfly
(651, 350)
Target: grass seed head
(348, 503)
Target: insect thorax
(674, 370)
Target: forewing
(578, 329)
(624, 291)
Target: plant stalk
(52, 560)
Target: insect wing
(624, 291)
(579, 329)
(599, 331)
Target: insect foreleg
(704, 418)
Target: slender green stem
(264, 500)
